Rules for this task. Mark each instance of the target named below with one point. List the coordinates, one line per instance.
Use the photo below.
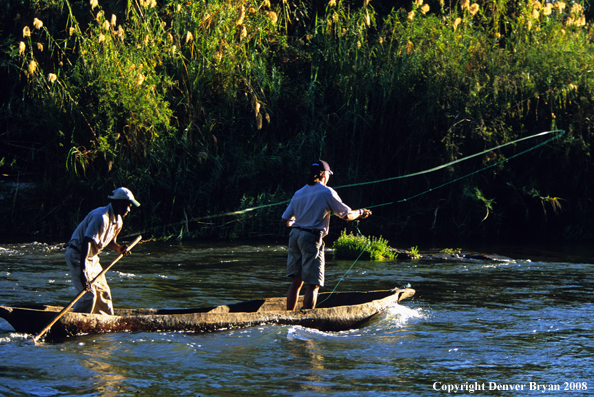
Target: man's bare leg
(293, 293)
(311, 296)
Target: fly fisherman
(98, 230)
(308, 216)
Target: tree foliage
(211, 112)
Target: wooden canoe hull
(341, 311)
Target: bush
(349, 246)
(204, 109)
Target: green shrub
(349, 246)
(414, 252)
(189, 104)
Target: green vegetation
(349, 246)
(451, 250)
(414, 252)
(207, 109)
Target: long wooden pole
(47, 327)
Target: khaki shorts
(306, 257)
(96, 301)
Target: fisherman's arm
(121, 249)
(85, 247)
(361, 213)
(338, 208)
(288, 222)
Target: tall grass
(205, 108)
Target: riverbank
(212, 113)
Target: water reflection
(306, 361)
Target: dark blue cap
(320, 166)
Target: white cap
(122, 193)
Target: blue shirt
(312, 206)
(101, 225)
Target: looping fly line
(558, 133)
(561, 132)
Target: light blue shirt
(312, 206)
(101, 225)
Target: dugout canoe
(335, 312)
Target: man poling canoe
(98, 230)
(100, 276)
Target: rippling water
(492, 325)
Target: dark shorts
(306, 257)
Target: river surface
(487, 327)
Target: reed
(205, 108)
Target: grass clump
(414, 252)
(451, 251)
(349, 246)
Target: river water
(485, 327)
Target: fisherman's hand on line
(364, 213)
